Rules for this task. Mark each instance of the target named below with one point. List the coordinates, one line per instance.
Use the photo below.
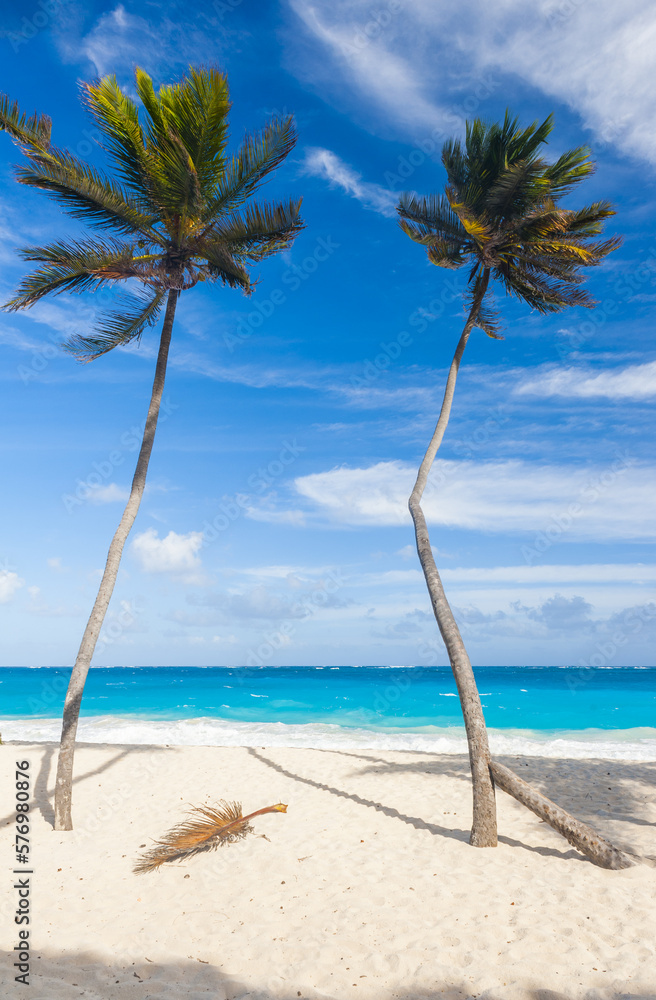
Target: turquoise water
(376, 698)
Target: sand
(366, 888)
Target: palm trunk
(485, 771)
(579, 834)
(64, 782)
(484, 823)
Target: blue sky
(274, 527)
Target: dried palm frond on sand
(206, 829)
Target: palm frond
(86, 193)
(505, 197)
(207, 829)
(261, 230)
(588, 221)
(542, 294)
(424, 218)
(32, 131)
(570, 168)
(117, 118)
(521, 185)
(74, 267)
(221, 265)
(197, 109)
(116, 329)
(446, 253)
(257, 157)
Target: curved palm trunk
(484, 824)
(64, 782)
(484, 770)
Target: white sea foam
(628, 744)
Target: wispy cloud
(119, 39)
(389, 79)
(323, 163)
(596, 573)
(634, 382)
(402, 69)
(613, 501)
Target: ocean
(542, 711)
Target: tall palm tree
(177, 212)
(500, 216)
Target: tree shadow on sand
(626, 780)
(57, 976)
(416, 822)
(42, 797)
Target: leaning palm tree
(176, 213)
(500, 216)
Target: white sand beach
(366, 888)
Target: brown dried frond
(206, 829)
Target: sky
(274, 528)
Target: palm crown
(500, 215)
(175, 215)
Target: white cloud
(633, 382)
(327, 165)
(10, 582)
(595, 57)
(175, 554)
(107, 494)
(391, 80)
(119, 40)
(595, 573)
(559, 502)
(267, 515)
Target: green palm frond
(223, 266)
(446, 253)
(87, 194)
(117, 118)
(257, 157)
(258, 232)
(422, 219)
(516, 189)
(118, 328)
(32, 131)
(73, 267)
(177, 211)
(198, 111)
(589, 221)
(570, 168)
(509, 224)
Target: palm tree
(176, 213)
(500, 216)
